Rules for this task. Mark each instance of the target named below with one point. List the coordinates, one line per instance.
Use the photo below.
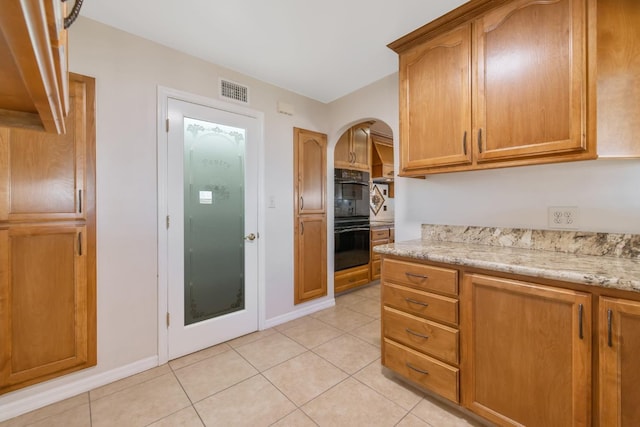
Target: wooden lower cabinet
(528, 352)
(379, 236)
(311, 254)
(619, 366)
(45, 312)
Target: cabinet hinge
(168, 319)
(168, 222)
(167, 124)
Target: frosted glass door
(213, 219)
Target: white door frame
(162, 137)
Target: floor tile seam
(283, 393)
(197, 361)
(380, 394)
(255, 341)
(182, 387)
(330, 362)
(130, 386)
(322, 343)
(318, 396)
(247, 360)
(363, 340)
(39, 420)
(222, 390)
(285, 416)
(168, 415)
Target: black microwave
(351, 193)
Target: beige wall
(128, 70)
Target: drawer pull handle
(419, 276)
(609, 328)
(580, 328)
(416, 369)
(426, 337)
(412, 301)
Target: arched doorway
(363, 201)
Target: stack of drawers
(420, 336)
(379, 236)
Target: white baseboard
(34, 399)
(293, 315)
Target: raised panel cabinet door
(310, 167)
(45, 315)
(311, 262)
(531, 80)
(619, 370)
(435, 102)
(30, 158)
(342, 155)
(361, 147)
(526, 352)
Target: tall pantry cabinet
(48, 246)
(310, 215)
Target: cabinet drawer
(423, 335)
(431, 306)
(423, 370)
(374, 243)
(382, 234)
(441, 280)
(351, 279)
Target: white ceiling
(321, 49)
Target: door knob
(250, 237)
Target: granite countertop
(381, 223)
(617, 272)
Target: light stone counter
(558, 255)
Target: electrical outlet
(564, 217)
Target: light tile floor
(320, 370)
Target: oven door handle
(348, 230)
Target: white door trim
(164, 93)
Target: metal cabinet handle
(301, 202)
(609, 328)
(416, 369)
(464, 143)
(580, 331)
(480, 140)
(412, 301)
(79, 201)
(419, 276)
(426, 337)
(80, 243)
(302, 228)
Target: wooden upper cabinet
(33, 71)
(499, 83)
(310, 171)
(618, 78)
(29, 158)
(435, 99)
(361, 147)
(353, 149)
(619, 370)
(531, 79)
(45, 309)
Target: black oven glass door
(351, 247)
(351, 199)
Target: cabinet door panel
(311, 250)
(435, 99)
(44, 303)
(529, 352)
(42, 176)
(619, 368)
(342, 156)
(360, 147)
(531, 84)
(311, 171)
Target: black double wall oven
(351, 218)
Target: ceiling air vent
(234, 91)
